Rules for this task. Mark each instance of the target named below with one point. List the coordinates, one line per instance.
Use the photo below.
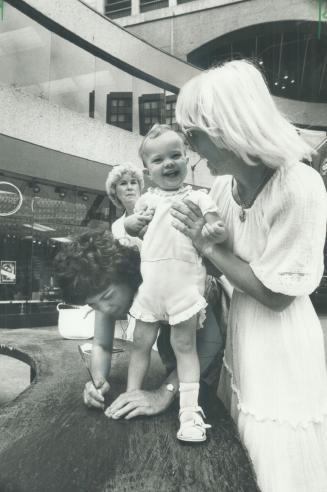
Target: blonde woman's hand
(189, 220)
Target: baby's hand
(216, 232)
(135, 224)
(147, 212)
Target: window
(117, 8)
(91, 104)
(146, 5)
(119, 110)
(151, 111)
(156, 108)
(170, 111)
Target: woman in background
(124, 186)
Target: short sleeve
(204, 201)
(292, 260)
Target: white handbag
(75, 321)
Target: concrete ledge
(51, 441)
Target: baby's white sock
(189, 393)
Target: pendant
(242, 215)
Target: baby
(173, 273)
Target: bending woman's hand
(190, 221)
(139, 402)
(94, 397)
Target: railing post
(135, 7)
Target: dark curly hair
(91, 262)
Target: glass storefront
(292, 53)
(44, 65)
(30, 238)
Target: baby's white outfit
(172, 270)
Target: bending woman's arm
(100, 361)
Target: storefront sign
(7, 272)
(11, 198)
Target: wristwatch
(171, 388)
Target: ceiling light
(61, 239)
(61, 191)
(39, 227)
(84, 196)
(35, 186)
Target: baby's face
(165, 160)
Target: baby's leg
(145, 335)
(183, 341)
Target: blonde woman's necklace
(245, 204)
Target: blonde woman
(124, 186)
(274, 380)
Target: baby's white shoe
(192, 428)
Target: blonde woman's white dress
(274, 379)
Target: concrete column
(100, 6)
(135, 7)
(172, 3)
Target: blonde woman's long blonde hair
(232, 103)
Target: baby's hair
(155, 131)
(116, 174)
(233, 105)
